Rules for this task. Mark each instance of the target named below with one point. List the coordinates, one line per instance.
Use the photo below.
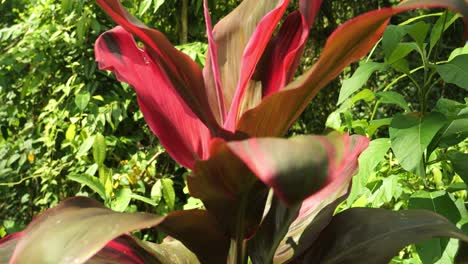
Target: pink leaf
(179, 129)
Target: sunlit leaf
(455, 71)
(359, 78)
(74, 231)
(414, 132)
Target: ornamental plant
(267, 199)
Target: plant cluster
(264, 198)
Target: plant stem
(238, 249)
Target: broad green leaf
(459, 162)
(391, 38)
(458, 51)
(455, 71)
(376, 124)
(400, 51)
(85, 147)
(410, 135)
(418, 31)
(99, 149)
(90, 181)
(368, 161)
(122, 199)
(439, 202)
(456, 131)
(82, 100)
(144, 6)
(358, 79)
(157, 4)
(366, 95)
(441, 25)
(168, 192)
(74, 231)
(395, 98)
(370, 235)
(449, 108)
(388, 190)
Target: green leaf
(459, 162)
(82, 100)
(410, 135)
(456, 131)
(388, 190)
(368, 161)
(144, 6)
(449, 108)
(156, 191)
(370, 235)
(439, 202)
(376, 124)
(401, 50)
(418, 31)
(71, 132)
(99, 149)
(358, 79)
(90, 181)
(168, 192)
(85, 147)
(76, 230)
(391, 38)
(143, 199)
(395, 98)
(441, 25)
(366, 95)
(122, 200)
(455, 71)
(458, 51)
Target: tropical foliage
(254, 196)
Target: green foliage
(66, 129)
(421, 165)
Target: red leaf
(179, 129)
(302, 166)
(348, 43)
(181, 71)
(211, 73)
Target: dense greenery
(69, 129)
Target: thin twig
(142, 174)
